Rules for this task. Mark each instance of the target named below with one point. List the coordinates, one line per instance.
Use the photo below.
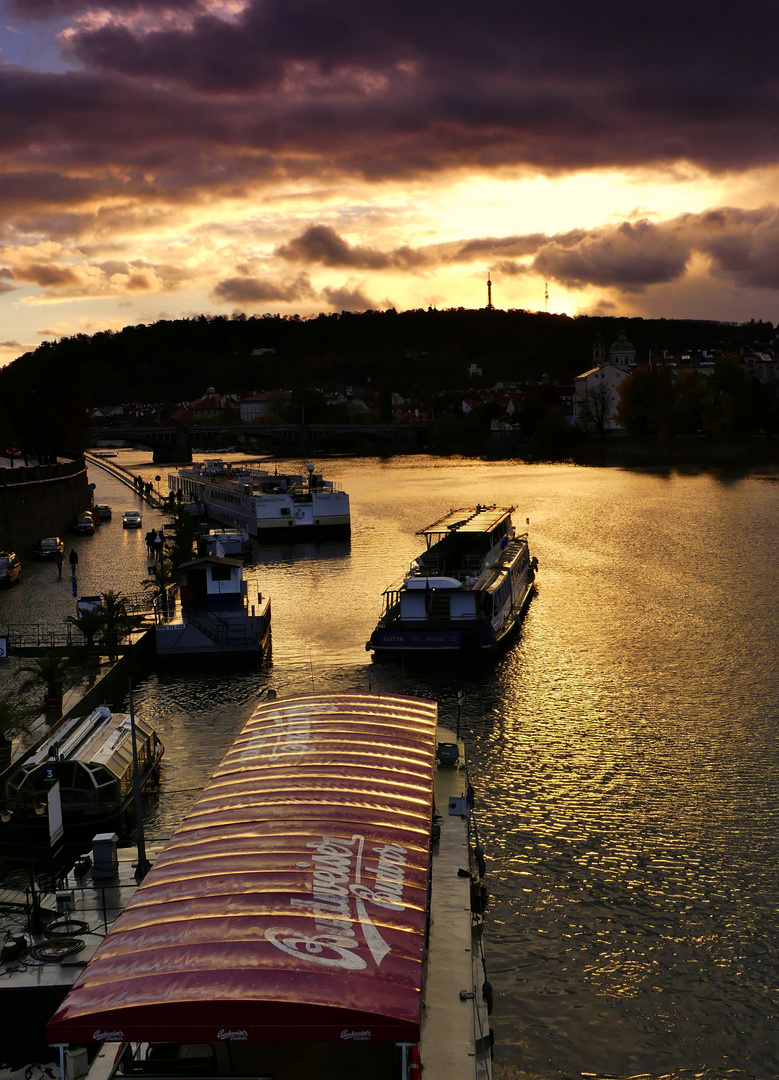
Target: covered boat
(467, 592)
(92, 757)
(285, 931)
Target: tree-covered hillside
(416, 353)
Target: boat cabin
(211, 582)
(92, 758)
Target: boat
(214, 608)
(232, 542)
(266, 505)
(92, 757)
(319, 913)
(467, 592)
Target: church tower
(598, 351)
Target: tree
(51, 675)
(596, 408)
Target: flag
(219, 551)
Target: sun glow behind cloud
(295, 156)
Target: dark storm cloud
(425, 87)
(54, 9)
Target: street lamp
(6, 815)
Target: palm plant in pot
(116, 620)
(50, 675)
(15, 719)
(89, 621)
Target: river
(624, 749)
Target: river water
(624, 750)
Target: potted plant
(15, 719)
(116, 621)
(50, 674)
(90, 622)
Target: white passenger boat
(231, 542)
(214, 609)
(318, 914)
(92, 758)
(266, 505)
(467, 592)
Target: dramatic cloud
(321, 244)
(251, 290)
(352, 298)
(218, 147)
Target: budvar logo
(106, 1036)
(358, 1036)
(236, 1036)
(340, 868)
(282, 731)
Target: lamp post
(6, 815)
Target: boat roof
(291, 904)
(470, 519)
(102, 738)
(204, 560)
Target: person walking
(58, 561)
(158, 546)
(73, 560)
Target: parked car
(104, 511)
(10, 568)
(84, 523)
(48, 548)
(132, 519)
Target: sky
(168, 158)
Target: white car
(132, 519)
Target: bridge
(173, 443)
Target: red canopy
(291, 903)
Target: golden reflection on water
(624, 750)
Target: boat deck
(454, 963)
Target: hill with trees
(45, 394)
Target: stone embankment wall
(41, 500)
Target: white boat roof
(470, 519)
(98, 738)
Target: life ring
(414, 1063)
(299, 513)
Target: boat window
(220, 573)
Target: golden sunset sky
(166, 158)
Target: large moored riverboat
(318, 914)
(267, 505)
(467, 592)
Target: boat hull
(475, 640)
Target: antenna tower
(489, 291)
(546, 296)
